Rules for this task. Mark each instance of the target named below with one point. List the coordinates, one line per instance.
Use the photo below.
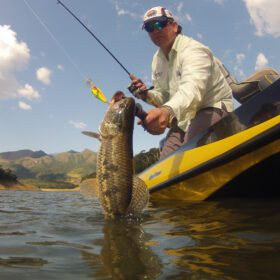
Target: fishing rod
(132, 88)
(95, 37)
(94, 89)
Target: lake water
(63, 235)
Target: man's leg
(203, 120)
(173, 140)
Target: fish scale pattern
(120, 192)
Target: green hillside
(68, 166)
(62, 170)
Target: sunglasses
(159, 25)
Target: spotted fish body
(120, 192)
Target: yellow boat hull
(200, 172)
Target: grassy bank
(49, 184)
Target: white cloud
(238, 71)
(240, 57)
(79, 125)
(24, 106)
(265, 16)
(199, 36)
(189, 18)
(122, 12)
(220, 2)
(8, 86)
(60, 67)
(261, 61)
(28, 92)
(180, 7)
(14, 56)
(44, 75)
(178, 13)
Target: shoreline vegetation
(37, 171)
(87, 187)
(9, 181)
(19, 186)
(16, 185)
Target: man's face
(164, 37)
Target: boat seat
(243, 91)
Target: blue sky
(45, 59)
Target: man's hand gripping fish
(120, 192)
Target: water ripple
(63, 235)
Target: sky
(46, 56)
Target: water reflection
(124, 253)
(220, 240)
(21, 262)
(64, 236)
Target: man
(189, 91)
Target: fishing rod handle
(140, 112)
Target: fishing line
(131, 87)
(91, 33)
(54, 39)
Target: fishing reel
(136, 92)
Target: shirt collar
(174, 48)
(175, 45)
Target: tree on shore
(141, 161)
(145, 159)
(7, 175)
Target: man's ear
(175, 26)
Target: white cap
(157, 13)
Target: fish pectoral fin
(92, 134)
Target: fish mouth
(118, 96)
(120, 102)
(121, 112)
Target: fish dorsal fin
(92, 134)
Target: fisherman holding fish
(189, 90)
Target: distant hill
(41, 169)
(67, 166)
(21, 154)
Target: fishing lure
(96, 91)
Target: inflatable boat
(238, 156)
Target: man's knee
(171, 142)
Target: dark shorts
(204, 119)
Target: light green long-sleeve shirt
(189, 80)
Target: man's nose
(156, 31)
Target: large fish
(120, 192)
